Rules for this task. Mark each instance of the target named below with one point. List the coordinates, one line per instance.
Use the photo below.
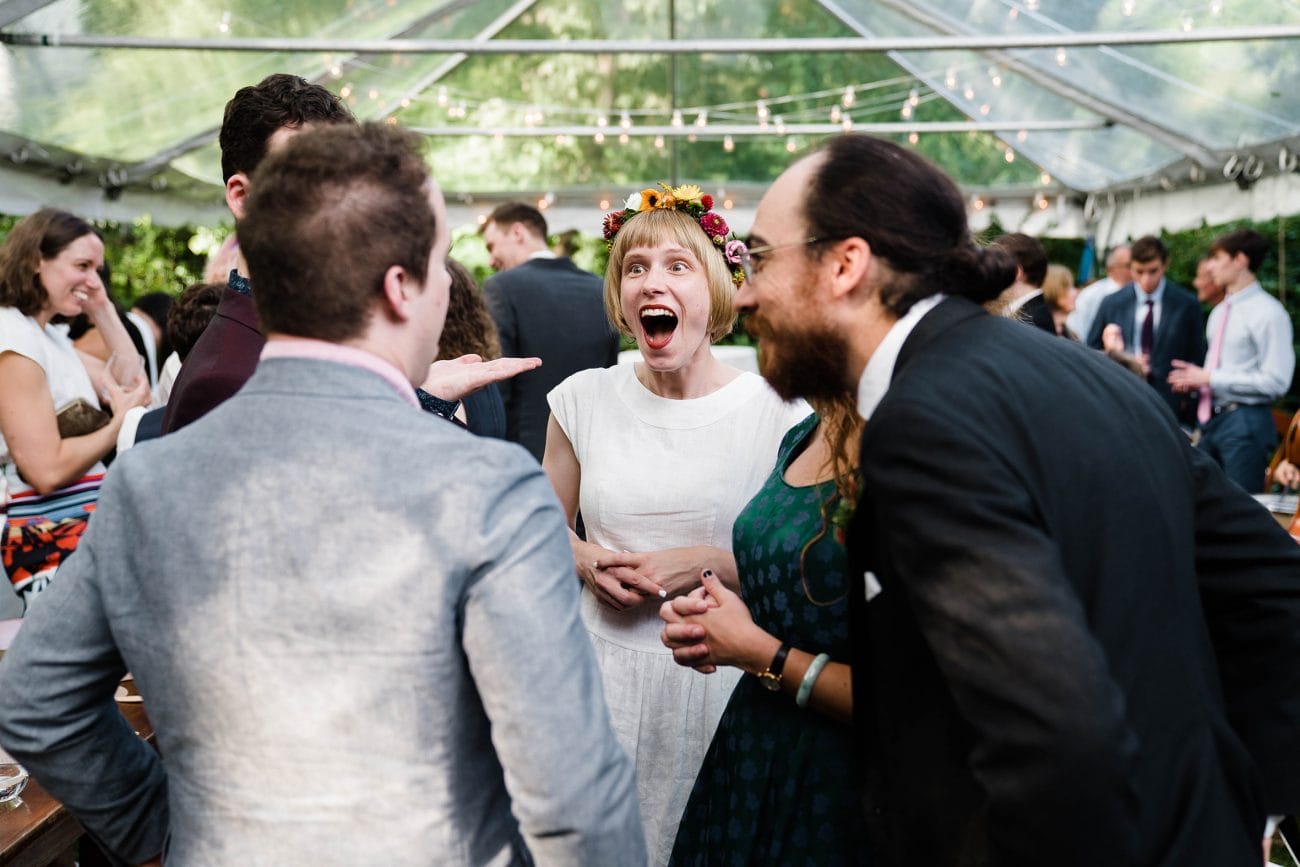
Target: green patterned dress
(777, 785)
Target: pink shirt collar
(283, 346)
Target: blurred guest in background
(1060, 294)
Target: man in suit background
(544, 306)
(324, 609)
(1023, 299)
(1160, 320)
(1055, 595)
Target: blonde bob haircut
(656, 228)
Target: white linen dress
(658, 473)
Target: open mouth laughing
(658, 324)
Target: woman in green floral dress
(777, 784)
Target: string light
(906, 111)
(346, 91)
(602, 121)
(373, 94)
(1216, 7)
(762, 111)
(847, 125)
(1128, 7)
(913, 138)
(625, 120)
(780, 125)
(850, 97)
(969, 93)
(997, 80)
(1021, 137)
(598, 138)
(336, 71)
(836, 114)
(224, 24)
(950, 79)
(604, 204)
(1061, 59)
(1031, 5)
(1044, 179)
(984, 109)
(913, 98)
(677, 117)
(659, 142)
(1188, 24)
(728, 145)
(692, 138)
(790, 145)
(1010, 155)
(406, 102)
(727, 204)
(702, 119)
(623, 138)
(442, 97)
(978, 203)
(1014, 13)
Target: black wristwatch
(771, 676)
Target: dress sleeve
(566, 401)
(17, 337)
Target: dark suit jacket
(1036, 683)
(1181, 335)
(221, 361)
(554, 310)
(1036, 312)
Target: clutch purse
(79, 418)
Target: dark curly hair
(469, 327)
(256, 112)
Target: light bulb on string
(906, 111)
(977, 203)
(790, 146)
(1216, 7)
(702, 119)
(950, 79)
(336, 71)
(602, 121)
(1031, 5)
(1061, 58)
(849, 97)
(223, 25)
(969, 93)
(847, 124)
(1022, 136)
(345, 91)
(997, 80)
(761, 110)
(836, 114)
(406, 102)
(984, 109)
(598, 138)
(442, 97)
(913, 138)
(1188, 23)
(1013, 13)
(624, 138)
(677, 117)
(1128, 7)
(625, 120)
(604, 204)
(913, 98)
(659, 142)
(1044, 179)
(780, 125)
(1010, 155)
(692, 138)
(728, 145)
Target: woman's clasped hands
(712, 626)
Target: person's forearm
(72, 459)
(118, 340)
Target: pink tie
(1204, 409)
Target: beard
(805, 361)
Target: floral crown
(688, 199)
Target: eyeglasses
(751, 259)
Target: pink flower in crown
(714, 226)
(613, 222)
(733, 251)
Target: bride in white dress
(660, 457)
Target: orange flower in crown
(690, 199)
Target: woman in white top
(659, 457)
(53, 432)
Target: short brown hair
(42, 235)
(255, 113)
(517, 212)
(190, 314)
(328, 215)
(663, 226)
(469, 327)
(1149, 248)
(1028, 253)
(1247, 241)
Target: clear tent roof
(133, 108)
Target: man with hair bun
(1056, 596)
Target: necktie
(1148, 338)
(1204, 408)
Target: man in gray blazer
(355, 627)
(544, 306)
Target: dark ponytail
(911, 214)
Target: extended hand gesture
(455, 378)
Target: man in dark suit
(1023, 299)
(1074, 639)
(1160, 320)
(544, 306)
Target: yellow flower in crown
(688, 193)
(651, 198)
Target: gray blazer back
(356, 630)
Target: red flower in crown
(714, 226)
(707, 201)
(613, 222)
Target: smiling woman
(659, 457)
(53, 431)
